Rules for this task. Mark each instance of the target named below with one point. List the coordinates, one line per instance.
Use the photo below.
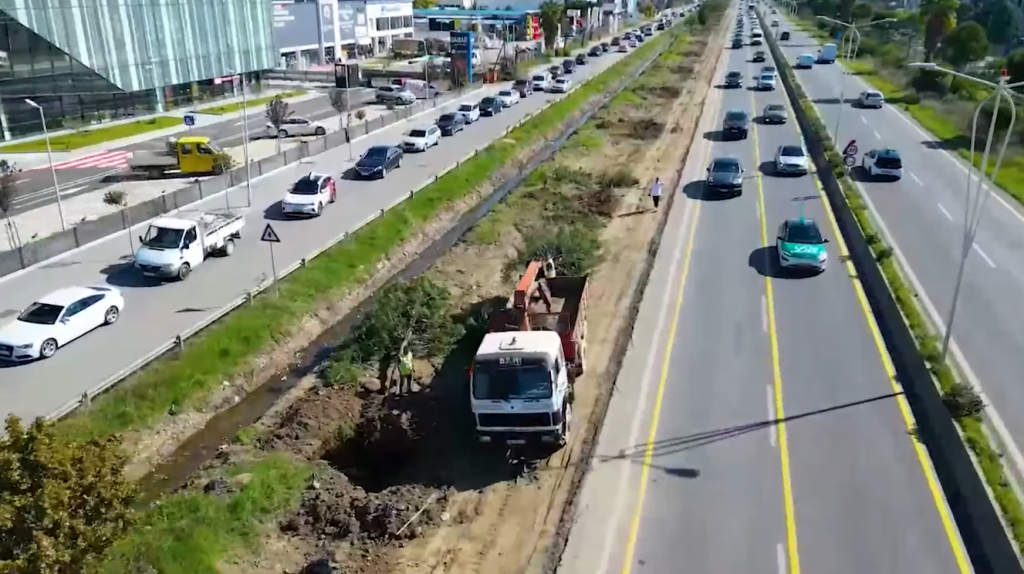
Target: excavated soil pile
(333, 509)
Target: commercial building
(84, 60)
(310, 33)
(491, 25)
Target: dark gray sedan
(725, 175)
(450, 124)
(775, 114)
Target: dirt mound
(311, 423)
(334, 509)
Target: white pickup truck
(173, 246)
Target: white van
(418, 88)
(804, 61)
(540, 82)
(827, 54)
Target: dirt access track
(396, 484)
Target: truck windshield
(163, 237)
(492, 381)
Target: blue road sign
(190, 120)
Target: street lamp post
(851, 52)
(49, 157)
(245, 141)
(974, 203)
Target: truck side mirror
(141, 240)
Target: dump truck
(192, 155)
(173, 246)
(524, 372)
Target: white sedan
(559, 86)
(421, 139)
(792, 159)
(508, 98)
(57, 319)
(296, 127)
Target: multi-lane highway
(766, 430)
(87, 174)
(155, 313)
(923, 214)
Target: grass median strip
(89, 137)
(228, 108)
(963, 403)
(184, 380)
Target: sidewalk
(32, 160)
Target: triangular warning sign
(270, 235)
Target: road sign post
(190, 120)
(850, 154)
(270, 238)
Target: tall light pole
(245, 140)
(49, 157)
(974, 203)
(854, 45)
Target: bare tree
(277, 114)
(119, 198)
(8, 190)
(340, 103)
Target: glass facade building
(89, 60)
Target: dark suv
(736, 125)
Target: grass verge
(193, 533)
(187, 378)
(972, 426)
(88, 137)
(228, 108)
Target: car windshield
(873, 95)
(733, 75)
(725, 166)
(41, 314)
(376, 153)
(447, 118)
(735, 117)
(804, 233)
(792, 151)
(486, 102)
(493, 381)
(506, 93)
(305, 186)
(767, 78)
(539, 78)
(417, 133)
(465, 108)
(519, 83)
(775, 108)
(163, 237)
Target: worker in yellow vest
(405, 371)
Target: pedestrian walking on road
(656, 188)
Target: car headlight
(25, 346)
(822, 257)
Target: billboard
(295, 25)
(462, 56)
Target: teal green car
(801, 246)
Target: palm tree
(551, 13)
(939, 18)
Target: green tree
(8, 191)
(61, 503)
(1015, 65)
(846, 10)
(648, 9)
(964, 44)
(862, 11)
(1001, 24)
(551, 13)
(422, 4)
(939, 18)
(277, 113)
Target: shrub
(575, 249)
(962, 401)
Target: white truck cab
(520, 389)
(173, 246)
(827, 54)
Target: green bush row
(963, 403)
(218, 354)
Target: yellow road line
(792, 548)
(953, 536)
(652, 434)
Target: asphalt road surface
(35, 187)
(780, 446)
(155, 313)
(924, 215)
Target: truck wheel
(566, 430)
(155, 173)
(229, 247)
(184, 271)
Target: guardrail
(86, 232)
(180, 340)
(980, 526)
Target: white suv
(871, 99)
(469, 111)
(766, 82)
(883, 163)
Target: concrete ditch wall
(990, 549)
